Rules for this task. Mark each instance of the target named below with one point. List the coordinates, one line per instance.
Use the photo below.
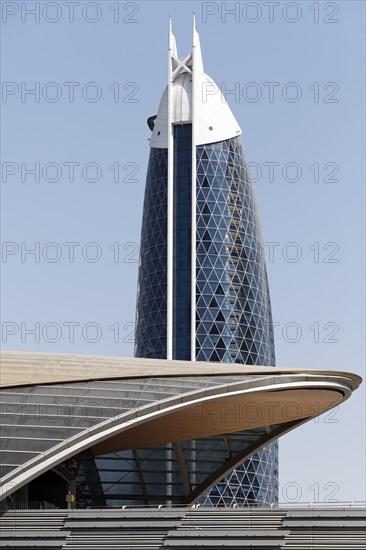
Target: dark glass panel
(182, 224)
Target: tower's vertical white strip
(170, 199)
(194, 195)
(171, 53)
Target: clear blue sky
(318, 58)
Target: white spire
(171, 40)
(196, 45)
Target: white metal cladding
(213, 117)
(200, 102)
(197, 66)
(168, 132)
(31, 369)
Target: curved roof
(30, 368)
(55, 406)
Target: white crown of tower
(193, 97)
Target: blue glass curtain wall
(151, 314)
(182, 239)
(233, 309)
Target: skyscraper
(202, 288)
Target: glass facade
(151, 340)
(153, 476)
(233, 309)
